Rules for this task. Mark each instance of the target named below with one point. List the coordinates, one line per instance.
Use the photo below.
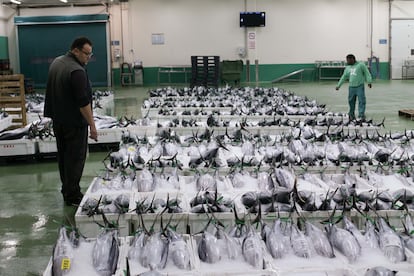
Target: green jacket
(357, 74)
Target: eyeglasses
(86, 53)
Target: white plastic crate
(115, 185)
(47, 145)
(18, 147)
(198, 221)
(140, 131)
(82, 262)
(88, 225)
(107, 136)
(5, 123)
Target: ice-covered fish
(319, 240)
(179, 251)
(390, 243)
(208, 248)
(252, 249)
(156, 251)
(105, 252)
(62, 254)
(344, 242)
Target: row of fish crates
(82, 262)
(132, 211)
(183, 259)
(265, 130)
(47, 145)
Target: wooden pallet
(12, 98)
(407, 113)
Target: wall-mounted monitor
(252, 19)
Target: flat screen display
(252, 19)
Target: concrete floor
(31, 206)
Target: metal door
(402, 48)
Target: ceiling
(58, 3)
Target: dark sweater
(68, 89)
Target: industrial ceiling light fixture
(64, 1)
(16, 2)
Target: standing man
(357, 73)
(69, 103)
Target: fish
(390, 243)
(380, 271)
(206, 182)
(156, 251)
(62, 254)
(300, 244)
(371, 235)
(350, 226)
(179, 251)
(105, 252)
(252, 249)
(232, 245)
(145, 181)
(136, 249)
(319, 240)
(344, 242)
(208, 248)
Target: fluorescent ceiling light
(64, 1)
(16, 2)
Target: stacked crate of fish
(159, 209)
(106, 201)
(211, 197)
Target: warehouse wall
(297, 32)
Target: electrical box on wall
(241, 51)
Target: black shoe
(74, 201)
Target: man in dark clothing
(69, 103)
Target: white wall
(297, 31)
(5, 15)
(402, 9)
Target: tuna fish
(179, 251)
(208, 248)
(252, 249)
(380, 271)
(106, 252)
(344, 242)
(62, 254)
(275, 240)
(320, 241)
(156, 251)
(390, 243)
(145, 181)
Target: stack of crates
(205, 71)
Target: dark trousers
(72, 143)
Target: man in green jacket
(357, 73)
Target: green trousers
(354, 93)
